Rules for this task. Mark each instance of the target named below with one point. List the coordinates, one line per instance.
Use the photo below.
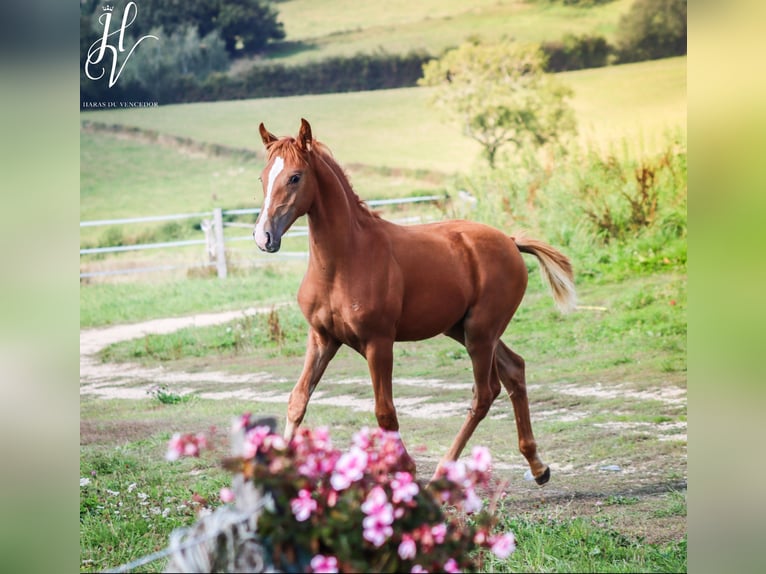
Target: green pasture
(391, 142)
(641, 321)
(629, 337)
(399, 129)
(398, 26)
(602, 381)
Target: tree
(246, 26)
(500, 94)
(161, 68)
(652, 29)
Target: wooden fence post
(220, 248)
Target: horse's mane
(287, 147)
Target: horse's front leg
(319, 352)
(380, 360)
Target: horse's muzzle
(267, 241)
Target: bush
(652, 29)
(362, 72)
(576, 52)
(355, 511)
(612, 214)
(163, 69)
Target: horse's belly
(430, 311)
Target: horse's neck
(333, 218)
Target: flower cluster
(362, 510)
(185, 445)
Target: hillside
(398, 129)
(343, 27)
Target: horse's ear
(304, 136)
(266, 135)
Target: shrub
(612, 214)
(164, 69)
(576, 52)
(359, 510)
(652, 29)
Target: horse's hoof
(544, 477)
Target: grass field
(607, 384)
(607, 396)
(391, 142)
(398, 128)
(398, 26)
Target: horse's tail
(556, 270)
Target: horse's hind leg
(485, 390)
(510, 368)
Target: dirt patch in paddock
(117, 432)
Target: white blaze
(276, 169)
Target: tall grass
(613, 213)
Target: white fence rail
(212, 225)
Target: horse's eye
(295, 178)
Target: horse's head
(289, 186)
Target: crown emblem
(108, 8)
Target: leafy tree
(158, 68)
(246, 26)
(652, 29)
(500, 94)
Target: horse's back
(453, 267)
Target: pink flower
(503, 545)
(472, 502)
(241, 422)
(404, 487)
(185, 445)
(418, 569)
(274, 441)
(254, 439)
(349, 468)
(175, 447)
(361, 439)
(328, 564)
(439, 532)
(456, 472)
(480, 537)
(407, 548)
(226, 494)
(451, 566)
(319, 463)
(481, 460)
(303, 506)
(380, 516)
(322, 439)
(391, 449)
